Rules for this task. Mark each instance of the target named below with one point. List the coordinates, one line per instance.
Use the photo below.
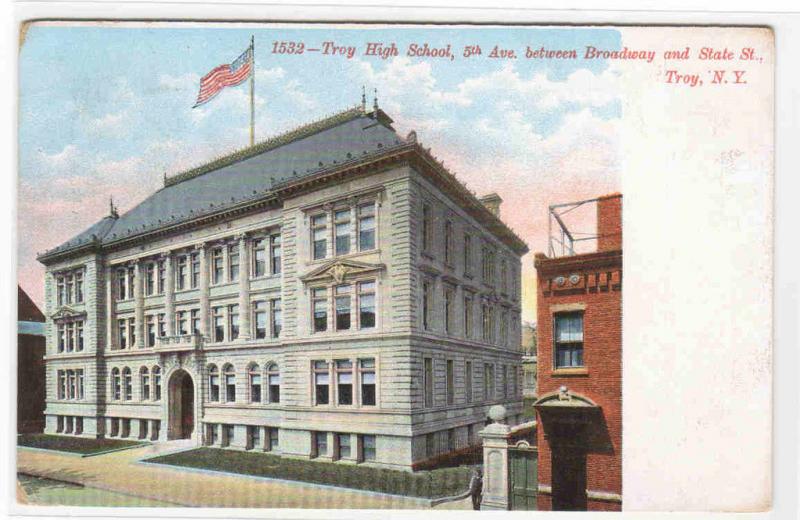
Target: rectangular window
(275, 254)
(368, 452)
(504, 381)
(145, 385)
(319, 236)
(277, 317)
(230, 387)
(121, 284)
(366, 305)
(132, 331)
(127, 384)
(320, 309)
(162, 325)
(448, 242)
(344, 381)
(341, 229)
(79, 336)
(62, 385)
(367, 368)
(451, 439)
(342, 293)
(568, 339)
(79, 287)
(61, 295)
(62, 337)
(78, 425)
(320, 444)
(430, 445)
(504, 327)
(181, 272)
(213, 383)
(71, 384)
(488, 381)
(233, 321)
(255, 386)
(273, 438)
(213, 434)
(181, 322)
(195, 317)
(468, 381)
(274, 377)
(68, 290)
(260, 318)
(195, 279)
(122, 337)
(450, 382)
(253, 437)
(366, 227)
(427, 300)
(449, 295)
(219, 324)
(486, 322)
(259, 258)
(503, 276)
(233, 262)
(162, 275)
(217, 266)
(343, 445)
(227, 434)
(427, 228)
(427, 381)
(150, 279)
(70, 337)
(321, 382)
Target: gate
(524, 477)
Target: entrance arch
(181, 406)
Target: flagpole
(252, 89)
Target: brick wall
(609, 222)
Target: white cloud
(189, 81)
(272, 74)
(110, 125)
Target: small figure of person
(476, 487)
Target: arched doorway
(181, 406)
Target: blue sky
(105, 111)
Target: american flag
(225, 76)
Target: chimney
(492, 202)
(609, 222)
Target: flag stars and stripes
(228, 75)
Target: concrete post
(495, 461)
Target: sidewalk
(120, 472)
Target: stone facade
(188, 330)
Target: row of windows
(342, 299)
(346, 228)
(69, 288)
(223, 435)
(227, 383)
(70, 336)
(507, 385)
(343, 377)
(70, 384)
(121, 427)
(224, 267)
(149, 384)
(342, 448)
(69, 424)
(488, 328)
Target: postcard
(380, 266)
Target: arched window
(144, 382)
(274, 377)
(156, 383)
(116, 391)
(230, 383)
(254, 373)
(213, 383)
(127, 384)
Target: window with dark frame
(568, 327)
(260, 318)
(230, 384)
(259, 258)
(343, 445)
(344, 381)
(366, 304)
(274, 381)
(233, 262)
(342, 302)
(213, 384)
(450, 382)
(320, 444)
(321, 383)
(255, 383)
(427, 379)
(367, 377)
(341, 231)
(368, 451)
(277, 317)
(319, 236)
(468, 381)
(319, 304)
(366, 226)
(275, 254)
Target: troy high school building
(333, 292)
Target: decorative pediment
(67, 313)
(564, 398)
(339, 271)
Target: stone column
(169, 293)
(138, 294)
(110, 309)
(244, 288)
(204, 283)
(495, 494)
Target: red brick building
(579, 410)
(30, 365)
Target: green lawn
(72, 444)
(424, 484)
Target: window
(344, 381)
(259, 258)
(253, 437)
(62, 337)
(488, 381)
(122, 331)
(162, 325)
(162, 275)
(228, 433)
(451, 439)
(195, 279)
(150, 279)
(449, 382)
(68, 289)
(367, 369)
(79, 335)
(504, 327)
(132, 331)
(274, 381)
(277, 317)
(80, 381)
(427, 380)
(488, 265)
(217, 266)
(233, 262)
(273, 438)
(233, 321)
(122, 284)
(321, 382)
(275, 254)
(320, 309)
(503, 275)
(212, 434)
(343, 445)
(213, 384)
(448, 243)
(219, 324)
(260, 318)
(144, 376)
(72, 384)
(341, 229)
(367, 448)
(62, 297)
(366, 227)
(143, 428)
(195, 317)
(320, 444)
(427, 228)
(342, 301)
(157, 383)
(430, 445)
(366, 305)
(319, 235)
(78, 287)
(255, 383)
(487, 323)
(62, 385)
(181, 322)
(449, 295)
(181, 272)
(427, 300)
(70, 337)
(569, 339)
(116, 384)
(468, 381)
(504, 381)
(127, 384)
(230, 384)
(78, 425)
(151, 330)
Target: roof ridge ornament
(112, 210)
(363, 98)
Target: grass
(79, 445)
(424, 484)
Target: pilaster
(169, 293)
(202, 251)
(244, 288)
(110, 308)
(138, 293)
